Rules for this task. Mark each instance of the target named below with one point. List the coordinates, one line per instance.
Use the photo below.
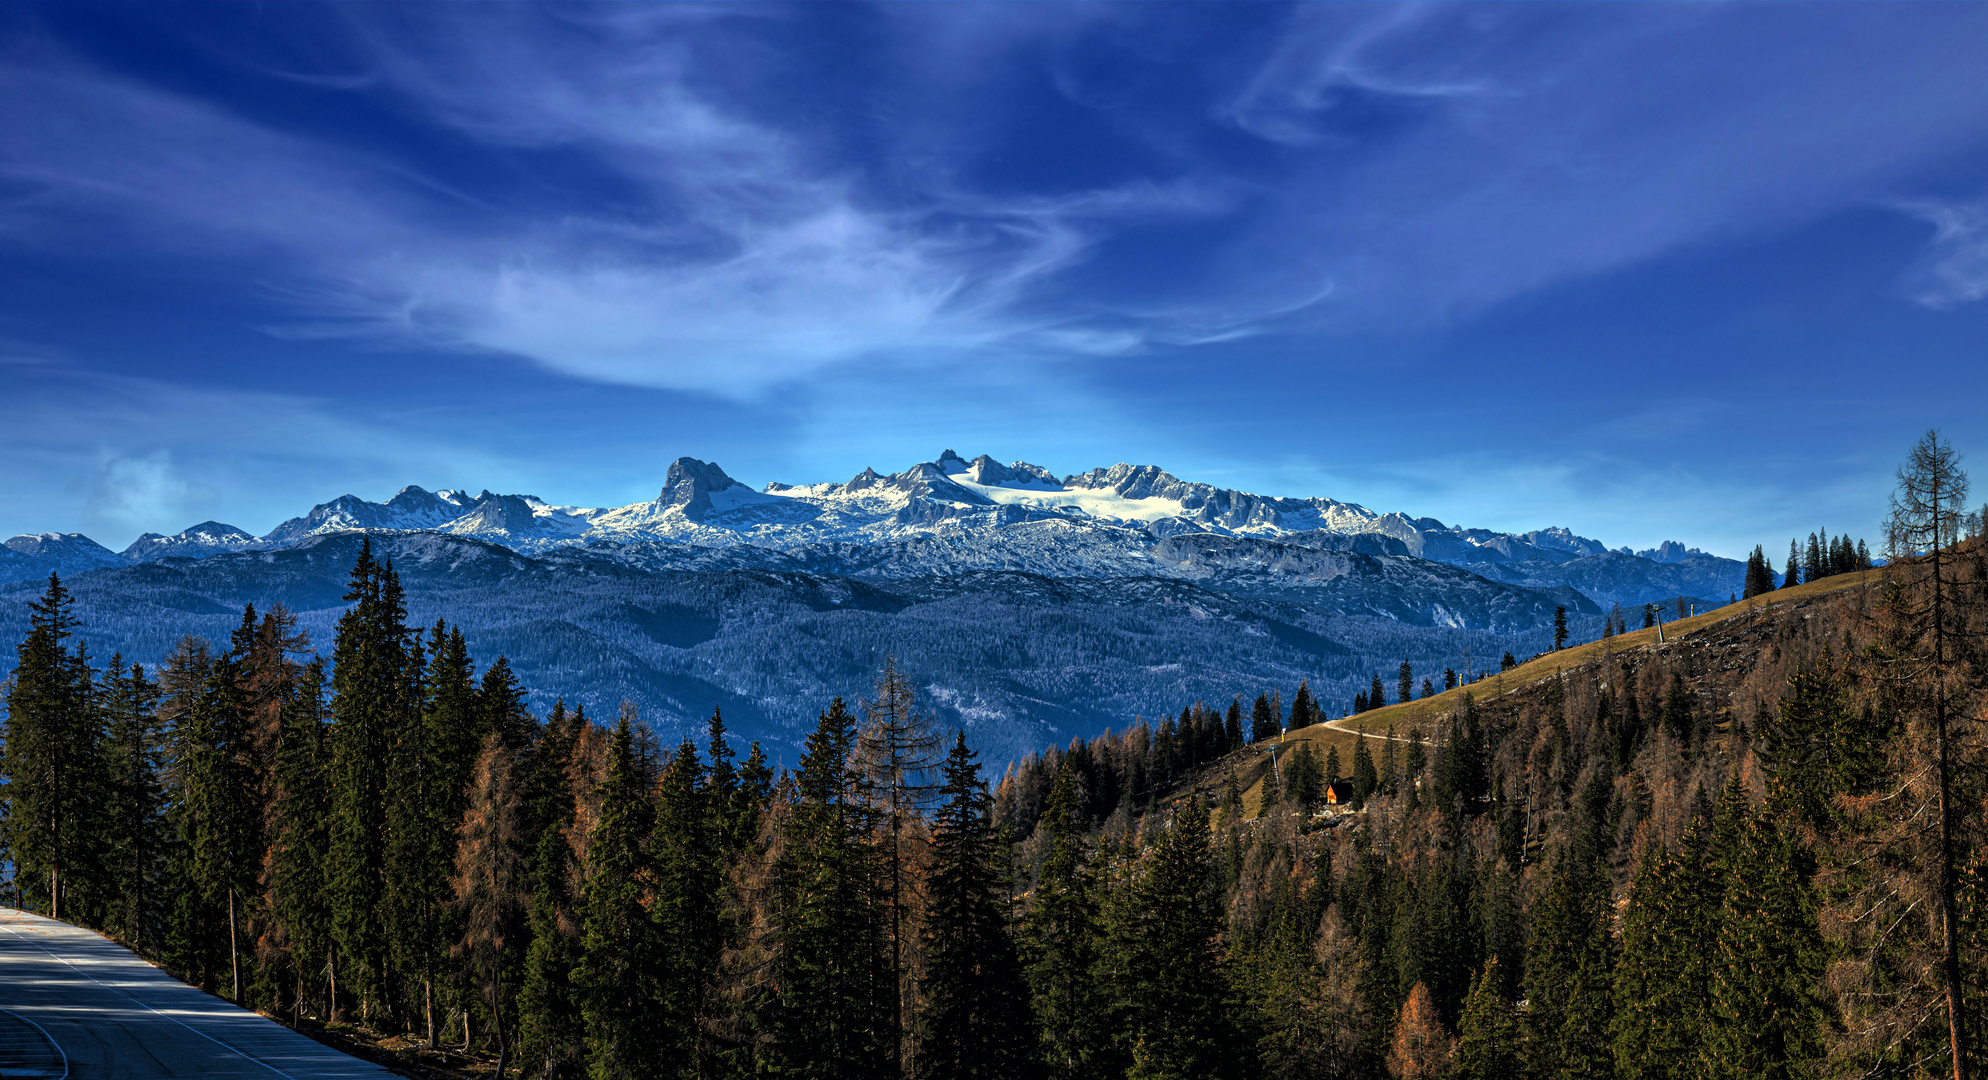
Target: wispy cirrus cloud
(732, 255)
(1455, 157)
(1953, 270)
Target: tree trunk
(1949, 917)
(234, 960)
(428, 1005)
(497, 1018)
(331, 972)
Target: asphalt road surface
(73, 1004)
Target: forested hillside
(1746, 843)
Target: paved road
(75, 1004)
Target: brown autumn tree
(490, 868)
(1900, 979)
(1421, 1048)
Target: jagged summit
(954, 512)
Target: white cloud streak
(1954, 268)
(1437, 161)
(1467, 155)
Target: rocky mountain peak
(688, 487)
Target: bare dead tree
(897, 749)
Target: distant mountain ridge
(1032, 607)
(949, 514)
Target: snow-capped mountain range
(1033, 607)
(949, 515)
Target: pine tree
(1490, 1043)
(1766, 1013)
(53, 746)
(1262, 720)
(1365, 779)
(550, 1032)
(219, 825)
(1304, 708)
(975, 1021)
(684, 852)
(1759, 574)
(1332, 773)
(1061, 944)
(1567, 977)
(268, 674)
(1376, 695)
(1559, 628)
(1301, 776)
(834, 966)
(371, 701)
(502, 701)
(300, 837)
(1660, 981)
(435, 755)
(134, 753)
(1404, 685)
(1792, 576)
(1232, 723)
(621, 966)
(724, 800)
(1170, 985)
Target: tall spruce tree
(435, 756)
(1366, 779)
(1304, 707)
(1660, 981)
(975, 1021)
(1061, 943)
(1567, 976)
(1262, 720)
(300, 841)
(219, 827)
(1490, 1042)
(1766, 1014)
(1170, 988)
(834, 1017)
(53, 746)
(621, 962)
(134, 753)
(550, 1032)
(372, 700)
(683, 848)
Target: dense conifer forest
(1752, 850)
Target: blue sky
(1692, 271)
